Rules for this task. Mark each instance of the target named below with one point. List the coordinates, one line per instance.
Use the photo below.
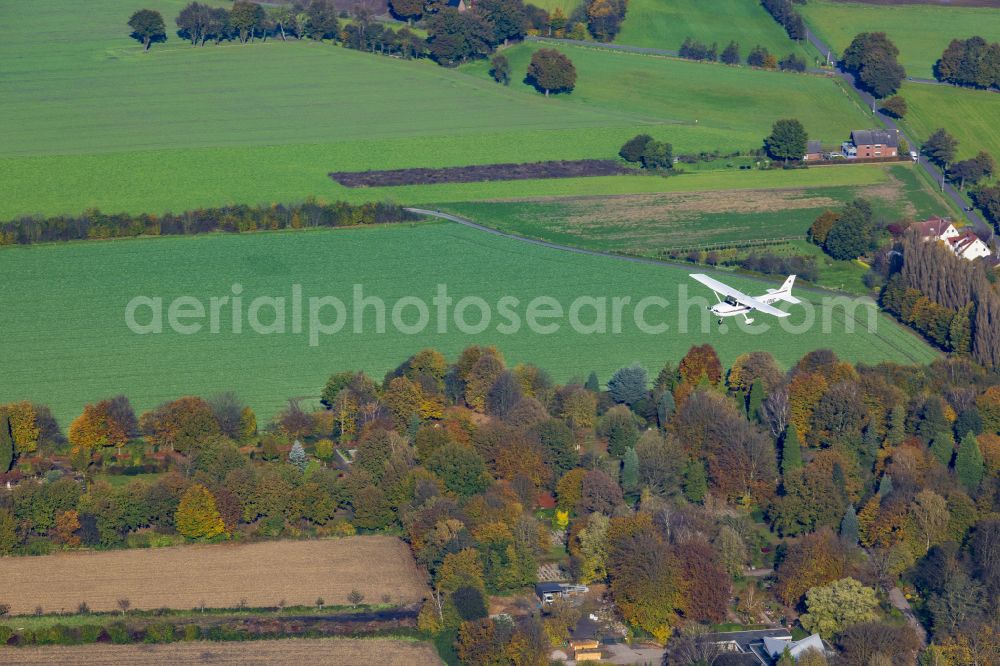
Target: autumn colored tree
(701, 362)
(180, 425)
(751, 366)
(99, 425)
(568, 489)
(644, 575)
(706, 587)
(23, 426)
(197, 516)
(820, 229)
(481, 377)
(403, 398)
(804, 393)
(67, 524)
(814, 560)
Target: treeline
(758, 56)
(869, 475)
(233, 219)
(785, 14)
(453, 36)
(769, 263)
(970, 62)
(951, 300)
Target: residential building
(814, 151)
(965, 244)
(875, 143)
(763, 647)
(936, 228)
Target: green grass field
(665, 25)
(66, 342)
(652, 223)
(971, 116)
(90, 121)
(922, 32)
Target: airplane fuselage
(730, 307)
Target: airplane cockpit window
(731, 301)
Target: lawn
(971, 116)
(91, 121)
(66, 341)
(653, 223)
(921, 31)
(665, 25)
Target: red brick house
(875, 143)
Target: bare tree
(124, 604)
(775, 409)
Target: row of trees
(234, 219)
(785, 13)
(865, 472)
(970, 62)
(758, 56)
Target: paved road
(935, 172)
(899, 602)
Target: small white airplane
(738, 303)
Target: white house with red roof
(965, 244)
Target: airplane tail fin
(785, 293)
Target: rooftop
(875, 137)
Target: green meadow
(91, 121)
(665, 25)
(650, 224)
(921, 31)
(66, 341)
(971, 116)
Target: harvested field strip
(648, 224)
(262, 574)
(295, 651)
(480, 173)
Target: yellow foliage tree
(197, 516)
(23, 426)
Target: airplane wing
(726, 290)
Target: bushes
(648, 152)
(234, 219)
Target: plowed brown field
(220, 576)
(342, 652)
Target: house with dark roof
(814, 151)
(875, 143)
(458, 4)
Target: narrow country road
(899, 602)
(935, 172)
